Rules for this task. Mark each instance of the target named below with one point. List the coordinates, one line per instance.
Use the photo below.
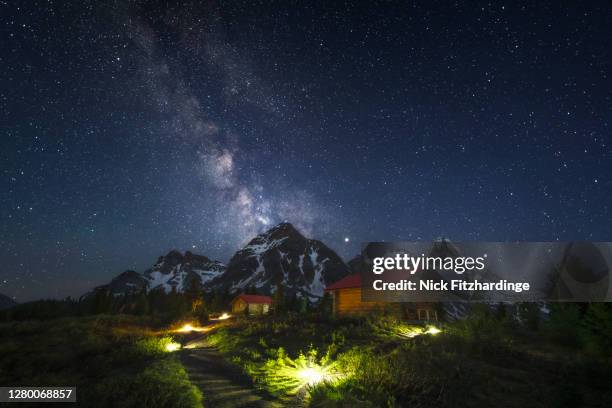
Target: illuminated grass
(409, 332)
(112, 361)
(172, 346)
(287, 376)
(157, 345)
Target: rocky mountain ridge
(282, 255)
(279, 256)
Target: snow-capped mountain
(176, 271)
(282, 255)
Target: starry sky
(130, 128)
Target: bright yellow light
(289, 376)
(172, 346)
(188, 328)
(224, 316)
(414, 331)
(311, 375)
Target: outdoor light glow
(293, 376)
(224, 316)
(172, 346)
(188, 328)
(311, 375)
(414, 331)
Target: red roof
(350, 281)
(254, 299)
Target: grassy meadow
(495, 357)
(114, 361)
(486, 360)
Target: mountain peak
(283, 225)
(283, 256)
(283, 229)
(175, 270)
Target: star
(175, 125)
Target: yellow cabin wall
(239, 306)
(348, 302)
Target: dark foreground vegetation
(114, 361)
(489, 359)
(115, 351)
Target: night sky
(131, 128)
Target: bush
(485, 329)
(431, 372)
(564, 325)
(162, 384)
(597, 335)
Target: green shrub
(152, 346)
(162, 384)
(432, 372)
(597, 335)
(564, 325)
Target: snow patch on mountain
(256, 249)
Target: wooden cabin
(255, 304)
(346, 295)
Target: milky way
(132, 128)
(244, 207)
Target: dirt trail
(223, 384)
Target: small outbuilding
(346, 295)
(255, 304)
